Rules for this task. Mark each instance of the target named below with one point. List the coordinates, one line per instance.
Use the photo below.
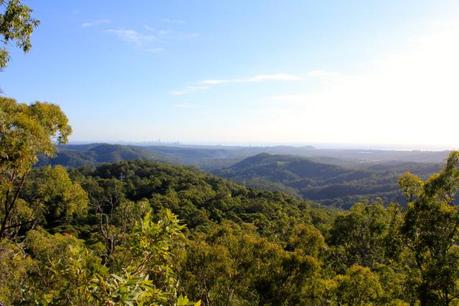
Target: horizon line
(314, 145)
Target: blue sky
(246, 72)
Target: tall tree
(431, 229)
(26, 131)
(16, 25)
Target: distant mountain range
(329, 184)
(76, 156)
(336, 177)
(209, 157)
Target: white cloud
(94, 23)
(256, 78)
(410, 96)
(171, 34)
(188, 90)
(151, 40)
(206, 84)
(157, 32)
(133, 36)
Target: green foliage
(16, 24)
(142, 265)
(331, 185)
(147, 233)
(26, 131)
(234, 266)
(55, 198)
(337, 182)
(14, 265)
(127, 289)
(184, 301)
(62, 269)
(358, 286)
(29, 130)
(307, 239)
(431, 232)
(359, 236)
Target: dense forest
(212, 158)
(329, 184)
(331, 181)
(139, 231)
(150, 233)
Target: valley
(332, 177)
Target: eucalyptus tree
(431, 230)
(26, 132)
(16, 25)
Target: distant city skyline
(355, 74)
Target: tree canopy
(16, 25)
(26, 131)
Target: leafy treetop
(16, 24)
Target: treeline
(145, 233)
(318, 179)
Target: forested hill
(216, 157)
(128, 225)
(328, 180)
(96, 233)
(75, 156)
(194, 196)
(329, 184)
(148, 233)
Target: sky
(246, 72)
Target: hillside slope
(210, 158)
(75, 156)
(329, 184)
(195, 196)
(331, 181)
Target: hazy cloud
(171, 34)
(256, 78)
(188, 90)
(150, 39)
(133, 36)
(404, 96)
(206, 84)
(94, 23)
